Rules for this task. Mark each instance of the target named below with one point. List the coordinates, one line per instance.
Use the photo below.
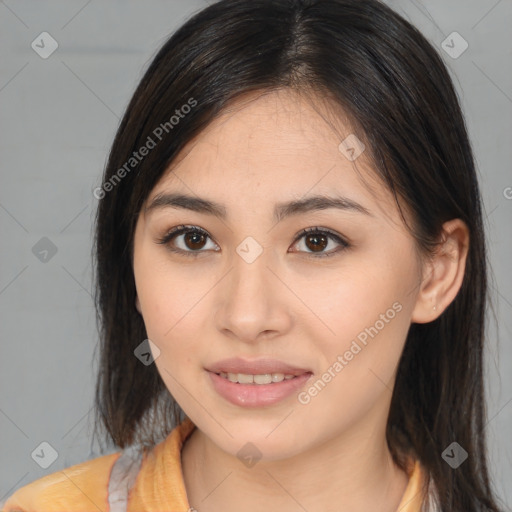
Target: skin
(329, 454)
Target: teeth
(245, 379)
(262, 379)
(266, 378)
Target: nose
(253, 303)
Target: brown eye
(194, 240)
(187, 240)
(316, 242)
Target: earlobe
(443, 274)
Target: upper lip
(255, 367)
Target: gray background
(58, 119)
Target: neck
(353, 471)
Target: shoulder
(82, 487)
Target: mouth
(256, 383)
(264, 378)
(259, 368)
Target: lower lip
(257, 395)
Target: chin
(258, 438)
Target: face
(330, 307)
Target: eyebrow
(281, 210)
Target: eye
(316, 240)
(193, 241)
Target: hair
(398, 94)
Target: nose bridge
(248, 280)
(250, 301)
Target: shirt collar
(163, 466)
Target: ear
(137, 304)
(443, 273)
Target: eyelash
(179, 230)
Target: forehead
(277, 127)
(274, 146)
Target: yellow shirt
(156, 483)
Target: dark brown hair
(396, 91)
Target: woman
(291, 275)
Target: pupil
(316, 247)
(190, 238)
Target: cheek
(354, 298)
(160, 294)
(368, 311)
(169, 325)
(173, 309)
(368, 334)
(358, 369)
